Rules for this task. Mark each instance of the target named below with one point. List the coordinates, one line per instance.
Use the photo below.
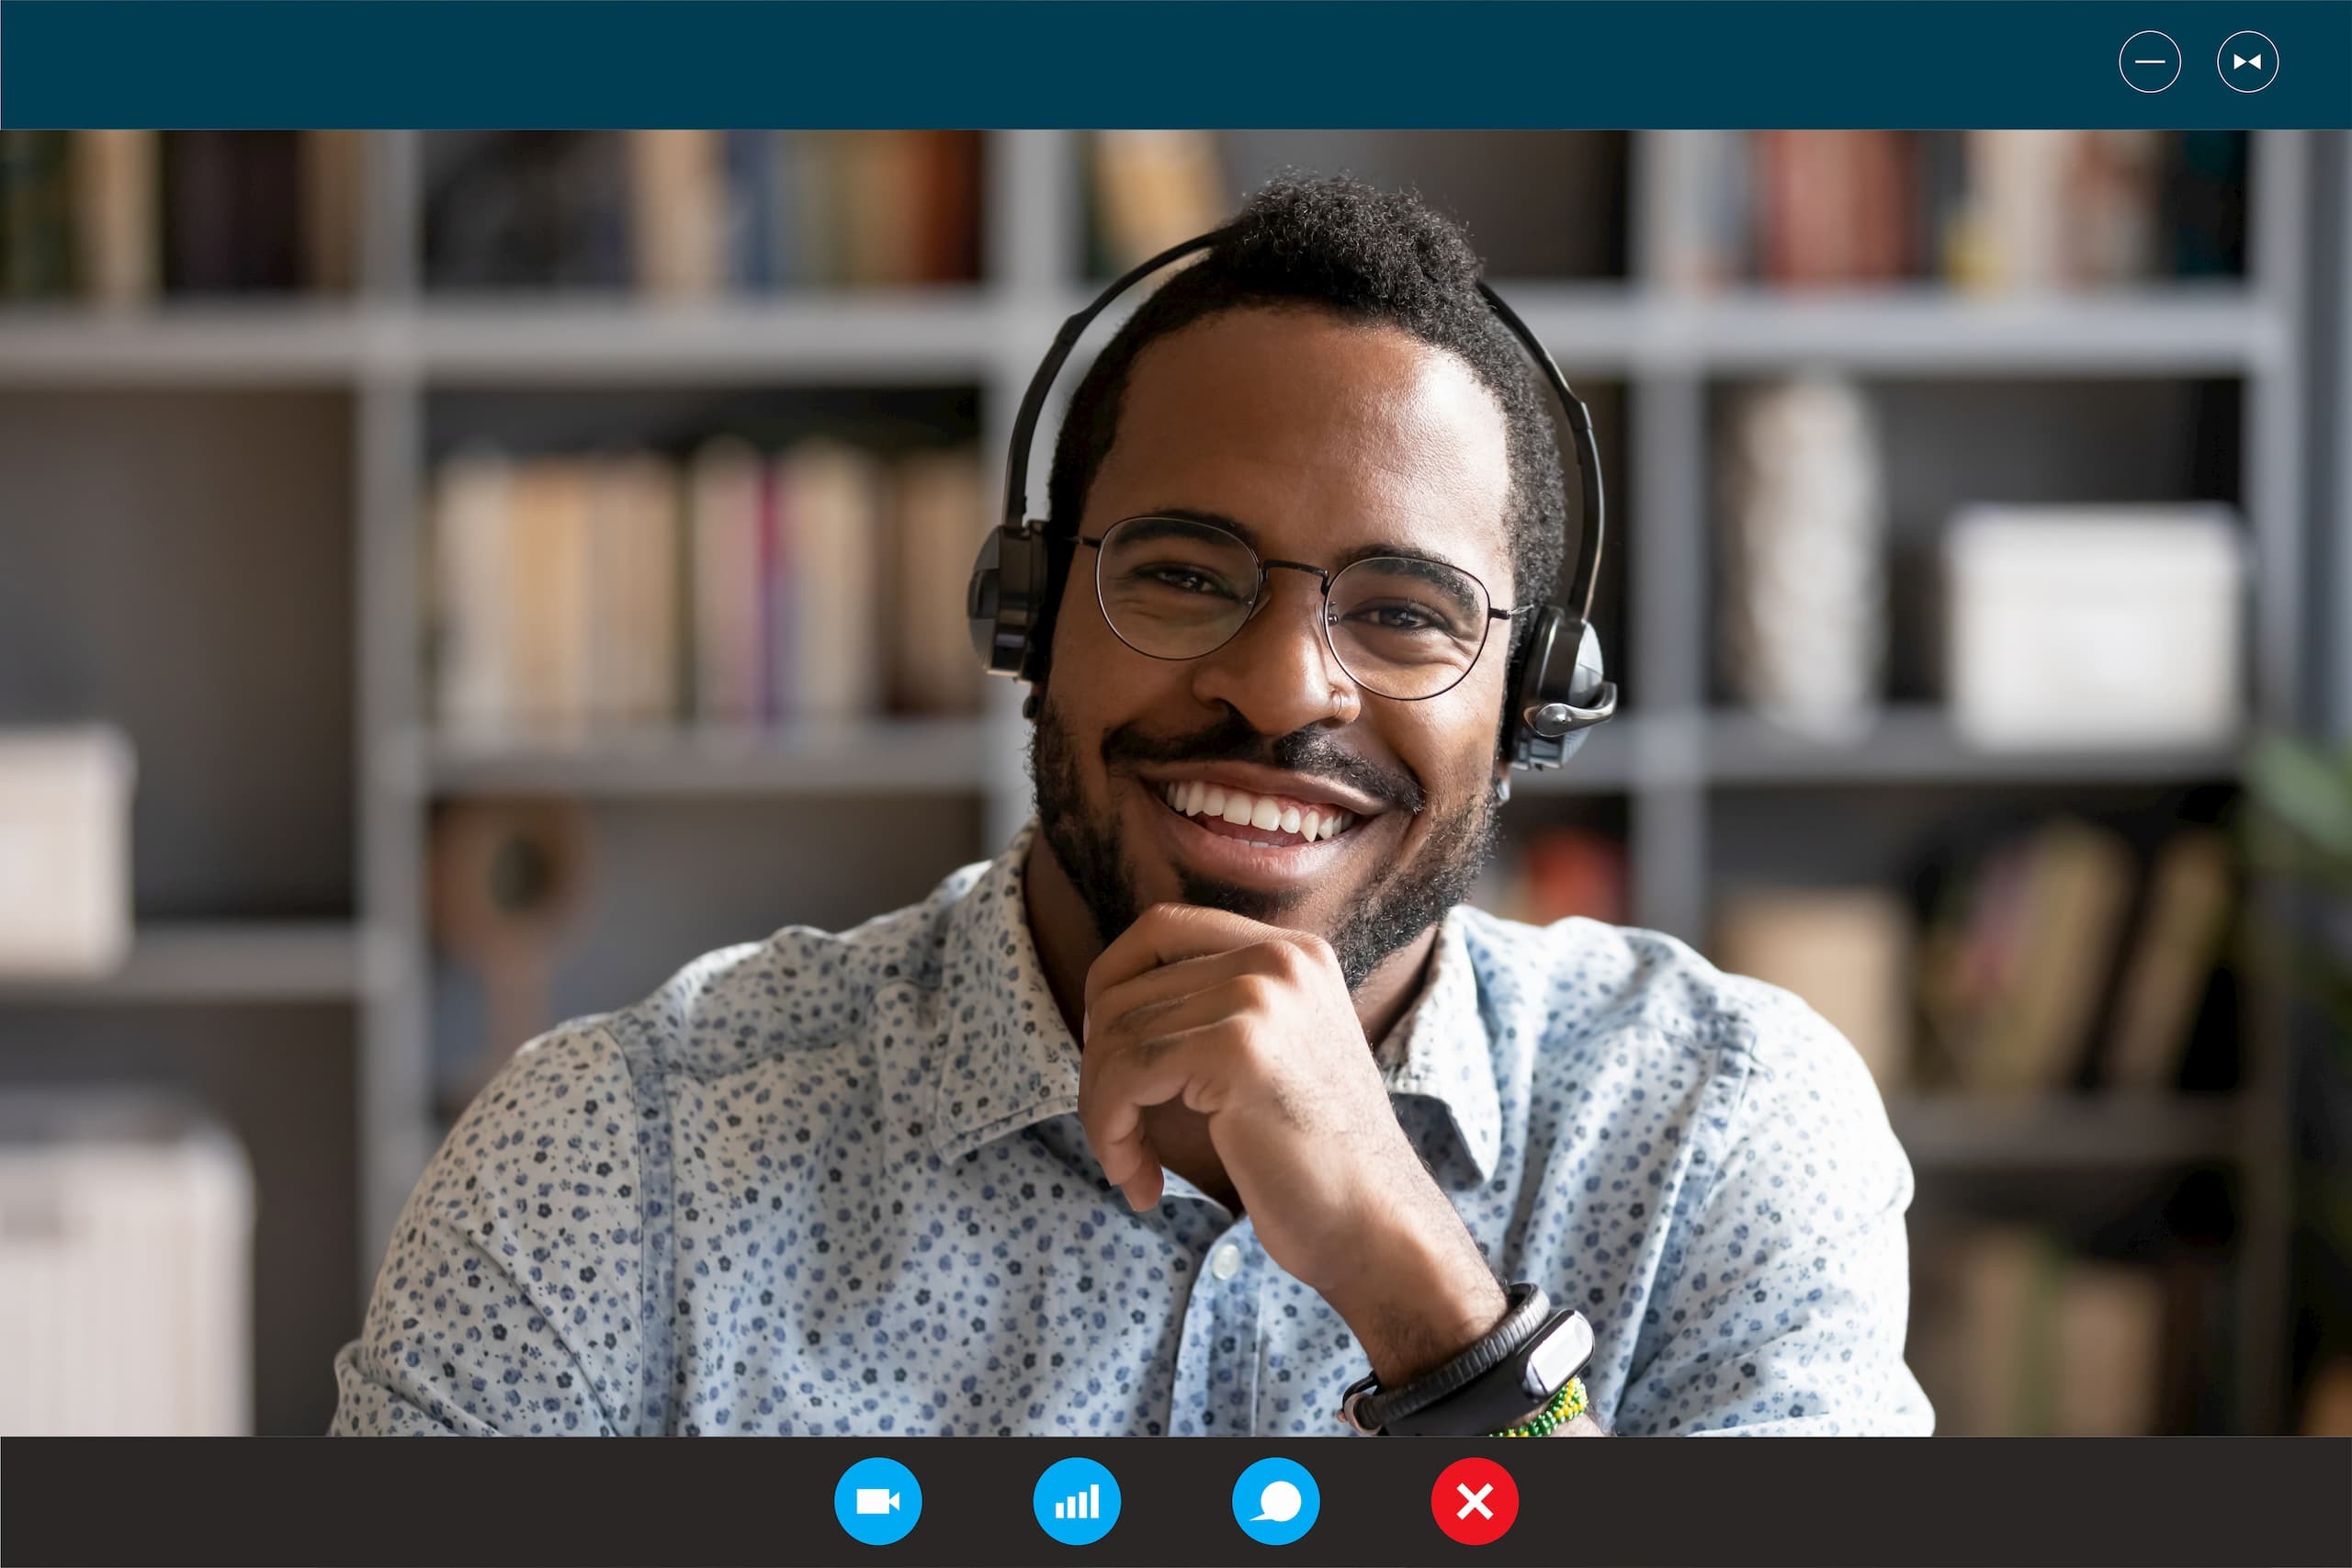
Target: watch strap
(1368, 1407)
(1521, 1386)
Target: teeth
(1242, 809)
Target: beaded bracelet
(1566, 1406)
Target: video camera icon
(877, 1501)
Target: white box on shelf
(65, 850)
(125, 1257)
(2108, 625)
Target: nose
(1278, 671)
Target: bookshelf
(348, 969)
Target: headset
(1557, 690)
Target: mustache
(1308, 753)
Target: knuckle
(1281, 960)
(1255, 993)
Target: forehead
(1323, 437)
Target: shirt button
(1227, 1261)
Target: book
(234, 205)
(949, 207)
(1846, 950)
(2107, 1350)
(471, 554)
(117, 216)
(752, 230)
(2012, 972)
(725, 484)
(547, 615)
(1835, 206)
(333, 181)
(1153, 189)
(881, 219)
(1701, 243)
(36, 214)
(939, 517)
(775, 625)
(2201, 210)
(2112, 206)
(2012, 1335)
(830, 497)
(2179, 941)
(818, 196)
(631, 644)
(2016, 217)
(677, 213)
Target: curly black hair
(1367, 256)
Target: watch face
(1560, 1356)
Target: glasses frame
(1327, 576)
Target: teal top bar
(1432, 64)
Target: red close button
(1475, 1501)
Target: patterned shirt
(836, 1184)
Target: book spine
(115, 195)
(36, 214)
(332, 171)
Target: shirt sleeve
(1786, 1315)
(511, 1301)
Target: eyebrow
(1250, 536)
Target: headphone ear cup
(1585, 680)
(1545, 674)
(1526, 686)
(1009, 593)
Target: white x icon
(1476, 1500)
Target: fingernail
(1085, 1028)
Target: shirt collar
(1008, 1060)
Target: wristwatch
(1511, 1373)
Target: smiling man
(1209, 1098)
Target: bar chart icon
(1077, 1501)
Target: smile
(1264, 821)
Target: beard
(1396, 905)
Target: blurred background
(448, 579)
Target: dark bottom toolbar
(1359, 1502)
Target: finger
(1156, 988)
(1131, 1073)
(1168, 933)
(1143, 1190)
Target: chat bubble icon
(1278, 1502)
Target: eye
(1183, 578)
(1399, 617)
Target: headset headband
(1588, 454)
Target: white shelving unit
(392, 350)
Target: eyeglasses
(1402, 627)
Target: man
(1209, 1095)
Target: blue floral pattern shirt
(835, 1184)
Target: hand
(1252, 1026)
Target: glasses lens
(1407, 628)
(1174, 589)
